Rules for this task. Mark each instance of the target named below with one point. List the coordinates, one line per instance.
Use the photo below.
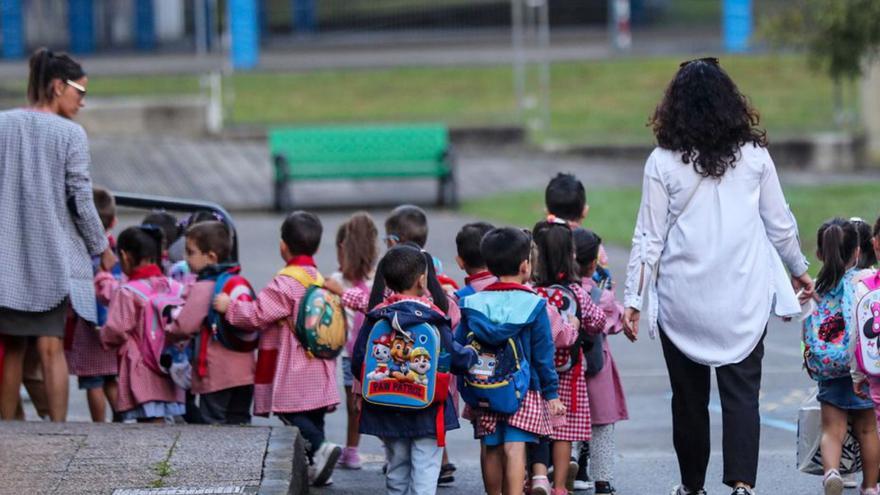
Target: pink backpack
(866, 318)
(161, 299)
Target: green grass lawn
(606, 101)
(613, 211)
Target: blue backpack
(827, 343)
(500, 378)
(405, 366)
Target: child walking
(510, 310)
(145, 393)
(828, 335)
(356, 252)
(413, 439)
(94, 366)
(555, 272)
(222, 378)
(604, 388)
(469, 259)
(289, 383)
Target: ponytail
(45, 67)
(403, 264)
(555, 263)
(838, 240)
(143, 243)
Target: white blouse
(721, 265)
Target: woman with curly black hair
(712, 243)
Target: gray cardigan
(49, 228)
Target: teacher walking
(49, 226)
(712, 243)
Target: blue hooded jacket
(495, 315)
(393, 423)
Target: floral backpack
(827, 353)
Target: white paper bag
(809, 437)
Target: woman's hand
(805, 287)
(631, 323)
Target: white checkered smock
(49, 227)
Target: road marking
(212, 490)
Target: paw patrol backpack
(404, 364)
(320, 321)
(866, 320)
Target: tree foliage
(841, 36)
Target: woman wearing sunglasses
(713, 248)
(49, 226)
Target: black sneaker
(604, 488)
(447, 474)
(742, 491)
(681, 490)
(582, 478)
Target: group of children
(841, 327)
(522, 342)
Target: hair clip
(857, 219)
(553, 219)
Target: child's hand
(334, 286)
(859, 388)
(574, 322)
(557, 408)
(221, 303)
(108, 260)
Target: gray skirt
(50, 323)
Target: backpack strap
(300, 274)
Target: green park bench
(349, 152)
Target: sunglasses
(705, 60)
(78, 87)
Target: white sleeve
(779, 222)
(649, 236)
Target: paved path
(380, 50)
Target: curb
(285, 465)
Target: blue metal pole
(145, 25)
(305, 19)
(12, 28)
(737, 25)
(244, 28)
(81, 22)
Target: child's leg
(97, 404)
(865, 430)
(398, 476)
(239, 411)
(214, 407)
(352, 438)
(602, 459)
(538, 457)
(514, 467)
(561, 459)
(310, 429)
(54, 364)
(425, 459)
(834, 421)
(10, 386)
(111, 391)
(874, 384)
(492, 473)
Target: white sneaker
(850, 481)
(323, 461)
(833, 483)
(581, 485)
(681, 490)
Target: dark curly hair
(704, 116)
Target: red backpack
(161, 299)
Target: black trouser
(738, 386)
(311, 426)
(231, 406)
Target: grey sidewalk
(51, 458)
